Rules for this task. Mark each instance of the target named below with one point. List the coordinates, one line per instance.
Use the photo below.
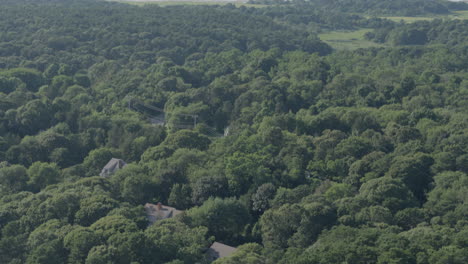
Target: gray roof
(156, 212)
(219, 250)
(112, 166)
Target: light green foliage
(47, 232)
(111, 225)
(338, 191)
(348, 40)
(93, 208)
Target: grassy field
(171, 3)
(351, 40)
(460, 15)
(455, 15)
(348, 40)
(409, 19)
(339, 40)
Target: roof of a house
(158, 211)
(112, 166)
(219, 250)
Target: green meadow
(348, 40)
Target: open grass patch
(460, 14)
(454, 15)
(408, 19)
(348, 40)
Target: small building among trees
(219, 250)
(158, 211)
(112, 166)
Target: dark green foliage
(295, 225)
(448, 32)
(172, 240)
(226, 219)
(32, 78)
(206, 187)
(391, 193)
(79, 242)
(300, 154)
(43, 174)
(13, 179)
(260, 200)
(388, 7)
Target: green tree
(96, 160)
(129, 247)
(13, 179)
(180, 196)
(32, 78)
(206, 187)
(414, 171)
(224, 218)
(170, 240)
(93, 208)
(101, 254)
(187, 139)
(110, 225)
(388, 192)
(79, 242)
(34, 116)
(446, 198)
(42, 174)
(244, 169)
(261, 198)
(50, 252)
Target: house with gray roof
(155, 212)
(219, 250)
(112, 166)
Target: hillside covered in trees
(273, 142)
(376, 7)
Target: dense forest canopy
(438, 31)
(377, 7)
(273, 142)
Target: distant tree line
(438, 31)
(376, 7)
